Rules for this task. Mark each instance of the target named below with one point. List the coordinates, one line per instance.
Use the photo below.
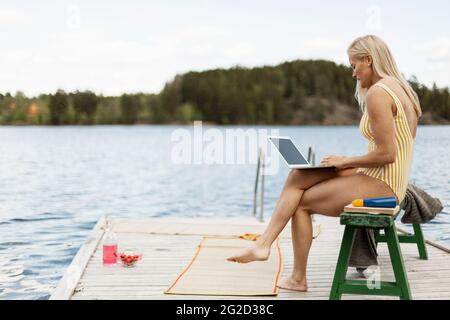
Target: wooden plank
(164, 255)
(74, 272)
(202, 226)
(371, 210)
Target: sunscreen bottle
(385, 202)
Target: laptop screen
(289, 151)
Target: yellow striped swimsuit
(395, 174)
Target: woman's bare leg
(328, 198)
(296, 183)
(302, 235)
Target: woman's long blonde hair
(383, 65)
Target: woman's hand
(340, 162)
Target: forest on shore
(303, 92)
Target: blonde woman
(391, 111)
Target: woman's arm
(382, 124)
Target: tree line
(296, 92)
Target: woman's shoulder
(377, 91)
(378, 98)
(391, 82)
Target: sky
(112, 47)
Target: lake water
(57, 181)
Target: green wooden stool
(400, 287)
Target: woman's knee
(294, 178)
(294, 174)
(302, 209)
(309, 201)
(299, 179)
(305, 179)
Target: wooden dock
(168, 244)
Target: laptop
(292, 156)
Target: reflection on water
(57, 182)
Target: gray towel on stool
(420, 207)
(364, 249)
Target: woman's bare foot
(255, 253)
(290, 283)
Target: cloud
(322, 47)
(12, 17)
(51, 46)
(204, 32)
(436, 50)
(240, 50)
(322, 43)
